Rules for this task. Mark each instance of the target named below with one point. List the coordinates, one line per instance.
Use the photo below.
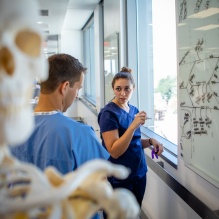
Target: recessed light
(207, 27)
(181, 24)
(205, 13)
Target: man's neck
(48, 103)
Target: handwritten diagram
(199, 90)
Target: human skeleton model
(26, 191)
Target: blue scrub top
(113, 117)
(61, 142)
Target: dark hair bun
(126, 69)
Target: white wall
(111, 17)
(71, 43)
(99, 68)
(162, 202)
(89, 117)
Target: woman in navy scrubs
(120, 124)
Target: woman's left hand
(158, 147)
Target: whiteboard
(198, 81)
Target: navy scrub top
(113, 117)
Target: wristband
(150, 141)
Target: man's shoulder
(79, 125)
(60, 122)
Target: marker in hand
(154, 153)
(146, 117)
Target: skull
(21, 62)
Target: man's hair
(62, 67)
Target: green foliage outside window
(167, 88)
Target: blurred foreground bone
(22, 60)
(25, 190)
(95, 192)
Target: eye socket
(7, 61)
(29, 42)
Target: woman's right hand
(139, 119)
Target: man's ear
(64, 87)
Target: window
(155, 66)
(111, 63)
(89, 82)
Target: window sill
(169, 158)
(89, 105)
(90, 100)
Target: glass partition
(111, 63)
(89, 81)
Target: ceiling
(59, 15)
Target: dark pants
(136, 186)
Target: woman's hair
(125, 73)
(62, 67)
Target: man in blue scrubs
(57, 140)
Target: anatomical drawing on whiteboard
(198, 81)
(199, 109)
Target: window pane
(157, 57)
(111, 62)
(165, 69)
(89, 62)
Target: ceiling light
(208, 27)
(181, 24)
(213, 48)
(184, 47)
(205, 13)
